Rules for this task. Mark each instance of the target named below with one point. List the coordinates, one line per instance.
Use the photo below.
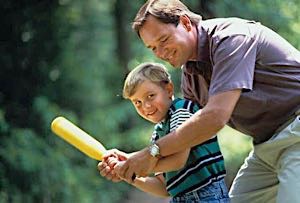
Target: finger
(112, 161)
(109, 153)
(105, 171)
(101, 165)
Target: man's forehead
(152, 31)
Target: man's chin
(175, 65)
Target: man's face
(174, 44)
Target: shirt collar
(203, 53)
(203, 44)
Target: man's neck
(194, 56)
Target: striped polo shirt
(205, 163)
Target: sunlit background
(69, 57)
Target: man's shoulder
(220, 28)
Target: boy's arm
(152, 185)
(173, 162)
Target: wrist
(154, 150)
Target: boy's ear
(170, 89)
(186, 22)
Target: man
(246, 76)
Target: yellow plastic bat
(78, 138)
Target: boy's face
(152, 101)
(174, 44)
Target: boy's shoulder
(180, 103)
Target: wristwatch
(154, 150)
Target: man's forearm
(202, 125)
(196, 130)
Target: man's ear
(186, 22)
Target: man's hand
(140, 164)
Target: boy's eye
(137, 103)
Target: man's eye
(165, 39)
(150, 96)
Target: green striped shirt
(205, 163)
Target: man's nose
(161, 53)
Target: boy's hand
(122, 156)
(110, 159)
(107, 172)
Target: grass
(235, 147)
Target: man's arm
(202, 125)
(196, 130)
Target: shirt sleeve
(233, 59)
(179, 116)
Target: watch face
(154, 150)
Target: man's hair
(167, 11)
(154, 72)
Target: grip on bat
(78, 138)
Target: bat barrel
(78, 138)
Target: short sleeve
(233, 61)
(179, 116)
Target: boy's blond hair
(154, 72)
(167, 11)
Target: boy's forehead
(143, 89)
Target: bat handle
(133, 177)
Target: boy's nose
(147, 105)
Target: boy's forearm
(172, 162)
(151, 185)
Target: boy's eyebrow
(144, 95)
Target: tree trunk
(121, 10)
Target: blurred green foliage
(69, 57)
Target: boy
(193, 175)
